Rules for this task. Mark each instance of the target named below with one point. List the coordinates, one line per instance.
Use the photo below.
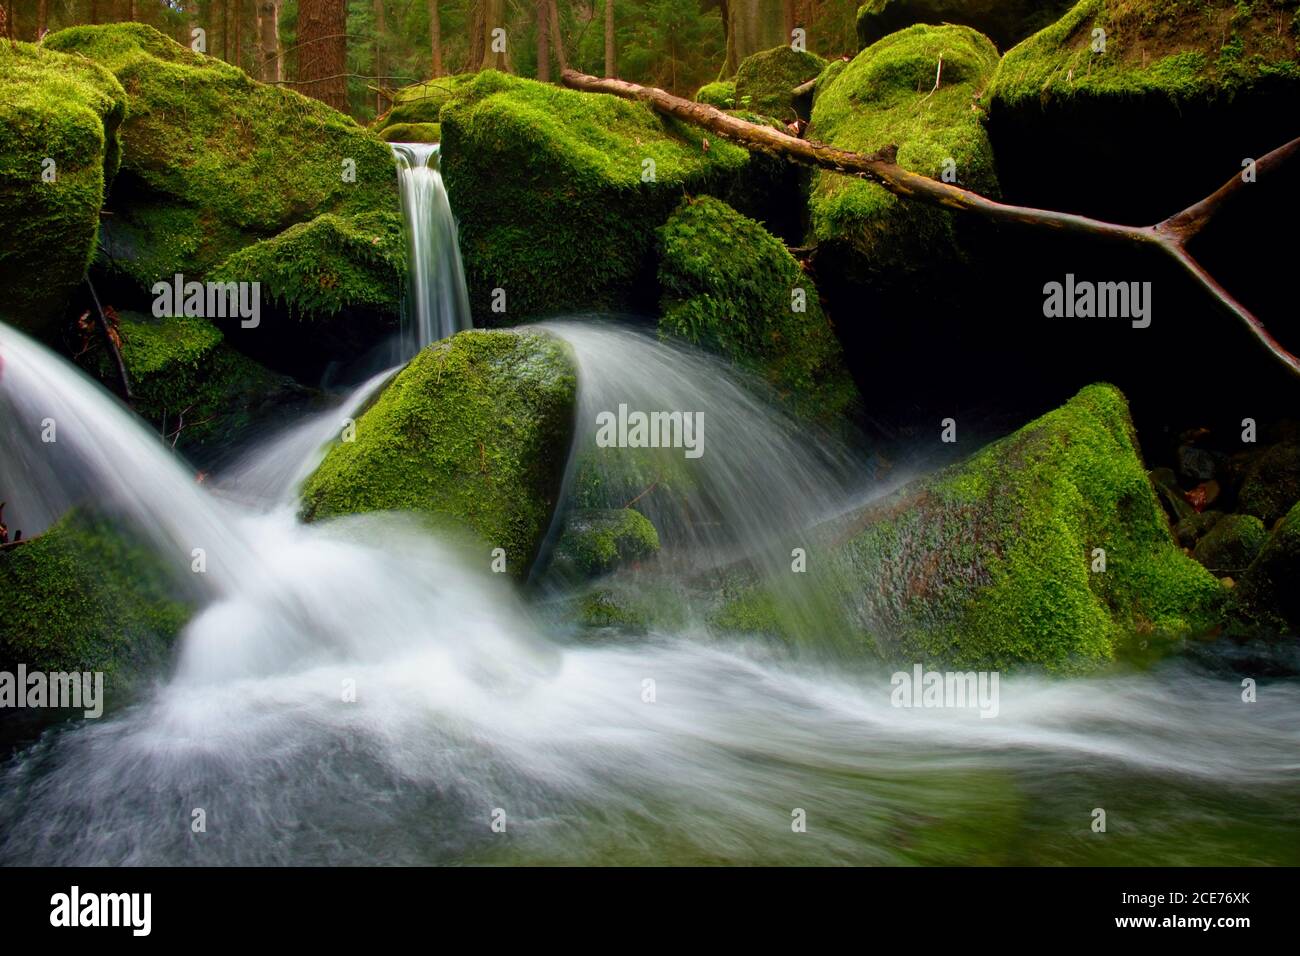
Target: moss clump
(60, 108)
(1267, 596)
(1177, 50)
(990, 563)
(834, 69)
(84, 596)
(555, 196)
(721, 94)
(1231, 544)
(422, 103)
(412, 133)
(1005, 22)
(886, 96)
(730, 286)
(1272, 485)
(765, 82)
(597, 541)
(474, 433)
(213, 160)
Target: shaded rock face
(1272, 484)
(1267, 595)
(474, 433)
(59, 117)
(1005, 22)
(995, 562)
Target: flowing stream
(361, 692)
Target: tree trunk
(42, 17)
(435, 37)
(380, 27)
(239, 46)
(488, 15)
(132, 13)
(268, 40)
(611, 63)
(753, 26)
(543, 41)
(323, 51)
(557, 38)
(225, 30)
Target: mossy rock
(1005, 22)
(1231, 544)
(765, 82)
(412, 133)
(65, 109)
(474, 433)
(730, 286)
(990, 563)
(721, 94)
(1267, 596)
(213, 161)
(834, 69)
(1192, 86)
(886, 96)
(596, 541)
(422, 103)
(87, 596)
(1272, 484)
(548, 188)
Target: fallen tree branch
(1170, 236)
(113, 350)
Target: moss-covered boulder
(214, 161)
(474, 433)
(995, 562)
(1192, 86)
(558, 193)
(59, 117)
(731, 287)
(85, 596)
(1272, 483)
(1267, 596)
(765, 82)
(422, 103)
(721, 94)
(1005, 22)
(887, 96)
(1231, 544)
(596, 541)
(412, 133)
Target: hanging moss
(474, 433)
(64, 109)
(730, 286)
(765, 81)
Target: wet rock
(1231, 544)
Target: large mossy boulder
(729, 286)
(558, 193)
(996, 562)
(1005, 22)
(59, 117)
(1266, 595)
(765, 82)
(887, 96)
(1191, 86)
(473, 433)
(87, 596)
(213, 161)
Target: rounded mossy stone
(721, 94)
(213, 160)
(596, 541)
(474, 432)
(834, 70)
(1267, 596)
(412, 133)
(887, 97)
(422, 103)
(994, 562)
(59, 117)
(86, 596)
(1005, 22)
(1272, 484)
(765, 81)
(730, 286)
(558, 192)
(1231, 544)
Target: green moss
(1266, 596)
(474, 432)
(886, 96)
(597, 541)
(1272, 484)
(1005, 22)
(1231, 544)
(64, 109)
(412, 133)
(548, 188)
(721, 94)
(1179, 50)
(765, 81)
(730, 286)
(827, 77)
(213, 160)
(84, 596)
(990, 563)
(422, 103)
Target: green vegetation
(597, 541)
(887, 96)
(413, 133)
(66, 110)
(1231, 544)
(1272, 485)
(721, 94)
(474, 433)
(731, 287)
(422, 103)
(1267, 596)
(765, 81)
(1005, 22)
